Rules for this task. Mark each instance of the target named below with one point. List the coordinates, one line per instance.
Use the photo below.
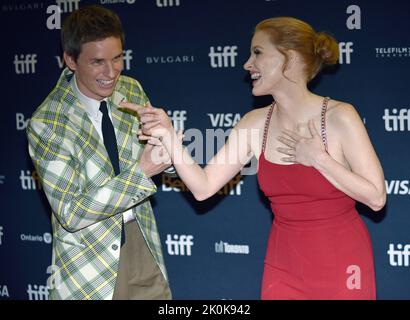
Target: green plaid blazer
(85, 196)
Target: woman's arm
(202, 182)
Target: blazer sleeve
(74, 207)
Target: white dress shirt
(92, 107)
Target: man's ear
(70, 61)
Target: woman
(315, 161)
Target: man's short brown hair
(87, 24)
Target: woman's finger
(291, 134)
(131, 106)
(286, 141)
(288, 151)
(150, 125)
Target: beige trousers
(139, 277)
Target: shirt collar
(91, 106)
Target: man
(94, 187)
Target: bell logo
(21, 121)
(179, 245)
(223, 57)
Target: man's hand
(154, 160)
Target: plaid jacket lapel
(77, 115)
(126, 132)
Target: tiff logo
(345, 49)
(37, 292)
(223, 57)
(25, 63)
(178, 118)
(1, 235)
(68, 5)
(399, 257)
(168, 3)
(399, 120)
(29, 180)
(127, 57)
(180, 245)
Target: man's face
(98, 67)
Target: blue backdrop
(188, 56)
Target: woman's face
(265, 65)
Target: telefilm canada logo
(392, 52)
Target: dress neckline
(278, 164)
(322, 131)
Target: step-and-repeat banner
(189, 56)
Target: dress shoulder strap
(323, 122)
(265, 131)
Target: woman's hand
(155, 122)
(302, 150)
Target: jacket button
(114, 247)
